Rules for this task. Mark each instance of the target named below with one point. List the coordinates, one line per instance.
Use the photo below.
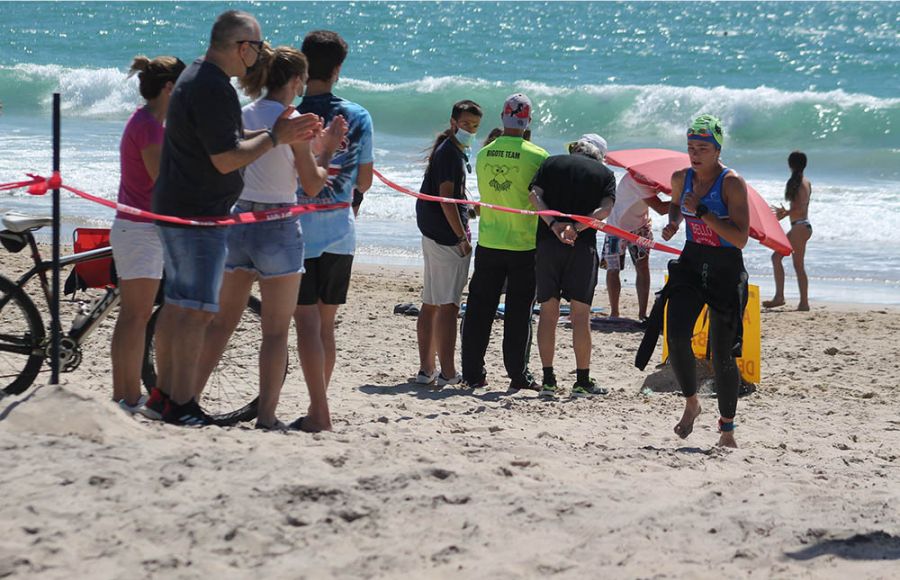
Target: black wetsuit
(705, 273)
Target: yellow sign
(749, 363)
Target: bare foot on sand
(726, 433)
(773, 302)
(726, 439)
(803, 307)
(691, 412)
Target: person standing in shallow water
(797, 193)
(712, 201)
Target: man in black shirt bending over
(204, 149)
(566, 260)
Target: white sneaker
(132, 409)
(424, 378)
(443, 382)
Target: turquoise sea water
(822, 77)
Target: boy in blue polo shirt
(330, 235)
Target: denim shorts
(270, 249)
(194, 260)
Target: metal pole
(54, 303)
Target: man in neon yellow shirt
(505, 251)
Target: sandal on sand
(298, 426)
(684, 430)
(276, 426)
(408, 308)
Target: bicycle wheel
(231, 393)
(21, 339)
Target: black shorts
(327, 278)
(566, 271)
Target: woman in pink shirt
(137, 250)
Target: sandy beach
(422, 483)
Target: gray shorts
(446, 273)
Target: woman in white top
(270, 251)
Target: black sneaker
(188, 415)
(472, 385)
(588, 389)
(526, 381)
(549, 391)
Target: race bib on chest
(702, 233)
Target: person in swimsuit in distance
(797, 193)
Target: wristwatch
(701, 211)
(271, 135)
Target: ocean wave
(643, 113)
(104, 92)
(624, 113)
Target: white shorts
(446, 273)
(137, 249)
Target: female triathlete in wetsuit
(712, 200)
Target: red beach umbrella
(654, 167)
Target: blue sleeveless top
(697, 231)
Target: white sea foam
(87, 92)
(108, 91)
(761, 95)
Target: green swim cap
(707, 128)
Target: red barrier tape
(590, 222)
(39, 185)
(18, 184)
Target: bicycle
(230, 395)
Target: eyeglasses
(256, 44)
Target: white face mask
(464, 137)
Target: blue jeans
(194, 260)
